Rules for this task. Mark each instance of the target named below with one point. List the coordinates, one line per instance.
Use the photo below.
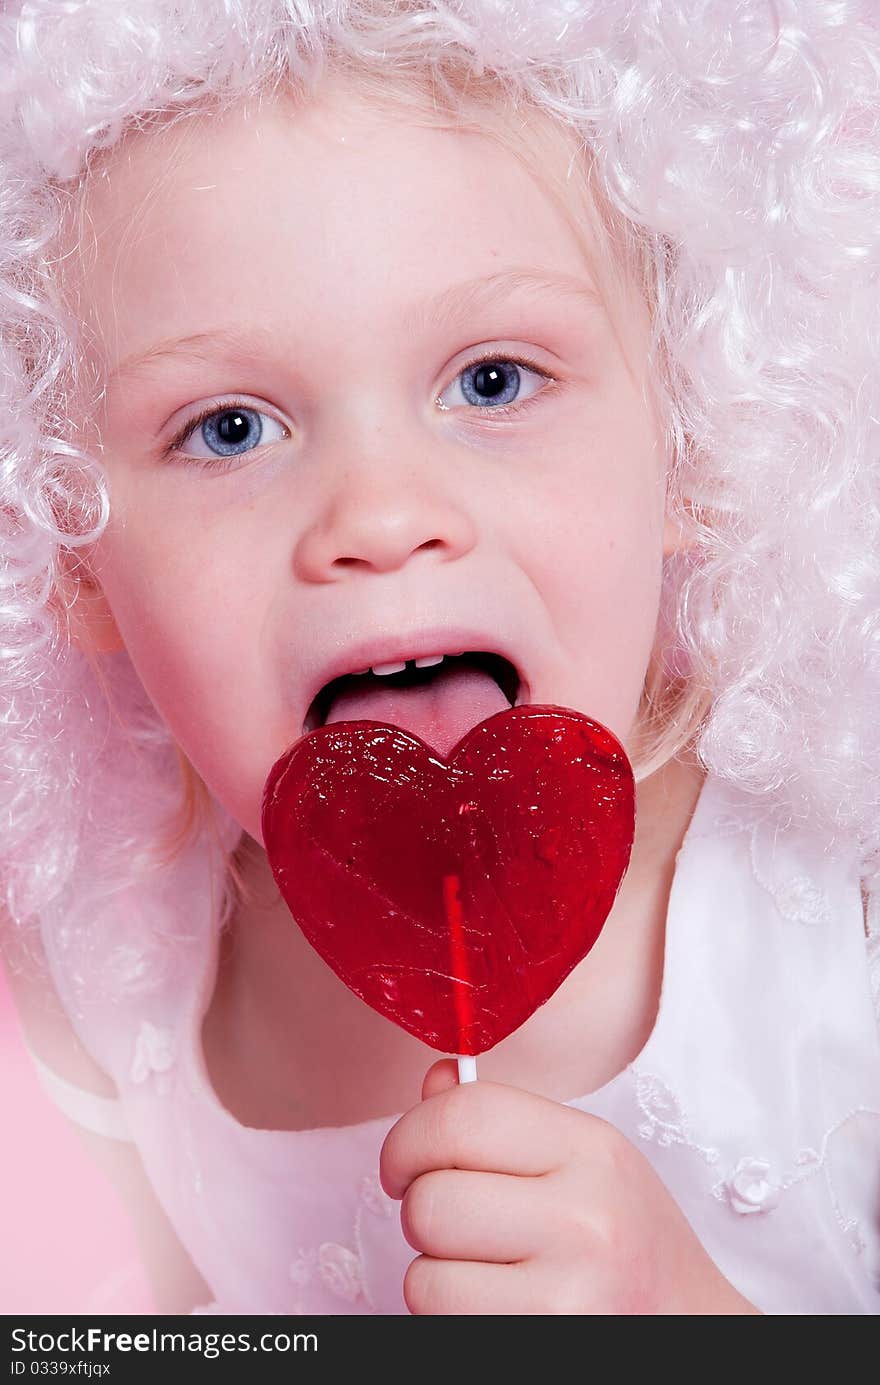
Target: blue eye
(226, 432)
(219, 433)
(495, 383)
(233, 431)
(491, 382)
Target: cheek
(595, 555)
(177, 573)
(185, 611)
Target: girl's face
(345, 272)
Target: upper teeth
(383, 670)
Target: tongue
(439, 712)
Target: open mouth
(495, 666)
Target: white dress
(756, 1098)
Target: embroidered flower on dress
(339, 1268)
(374, 1198)
(805, 1157)
(797, 896)
(665, 1119)
(726, 824)
(854, 1235)
(340, 1271)
(666, 1122)
(749, 1189)
(852, 1173)
(153, 1053)
(800, 900)
(302, 1269)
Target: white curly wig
(737, 144)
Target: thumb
(440, 1077)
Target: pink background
(65, 1241)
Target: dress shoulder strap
(102, 1115)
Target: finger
(440, 1078)
(468, 1288)
(457, 1214)
(481, 1126)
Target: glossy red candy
(453, 896)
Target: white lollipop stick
(467, 1068)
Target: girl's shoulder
(45, 1024)
(790, 898)
(87, 1096)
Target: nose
(378, 514)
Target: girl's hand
(518, 1204)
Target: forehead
(251, 209)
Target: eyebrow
(444, 309)
(454, 303)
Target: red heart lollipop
(455, 896)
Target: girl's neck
(288, 1046)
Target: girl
(343, 335)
